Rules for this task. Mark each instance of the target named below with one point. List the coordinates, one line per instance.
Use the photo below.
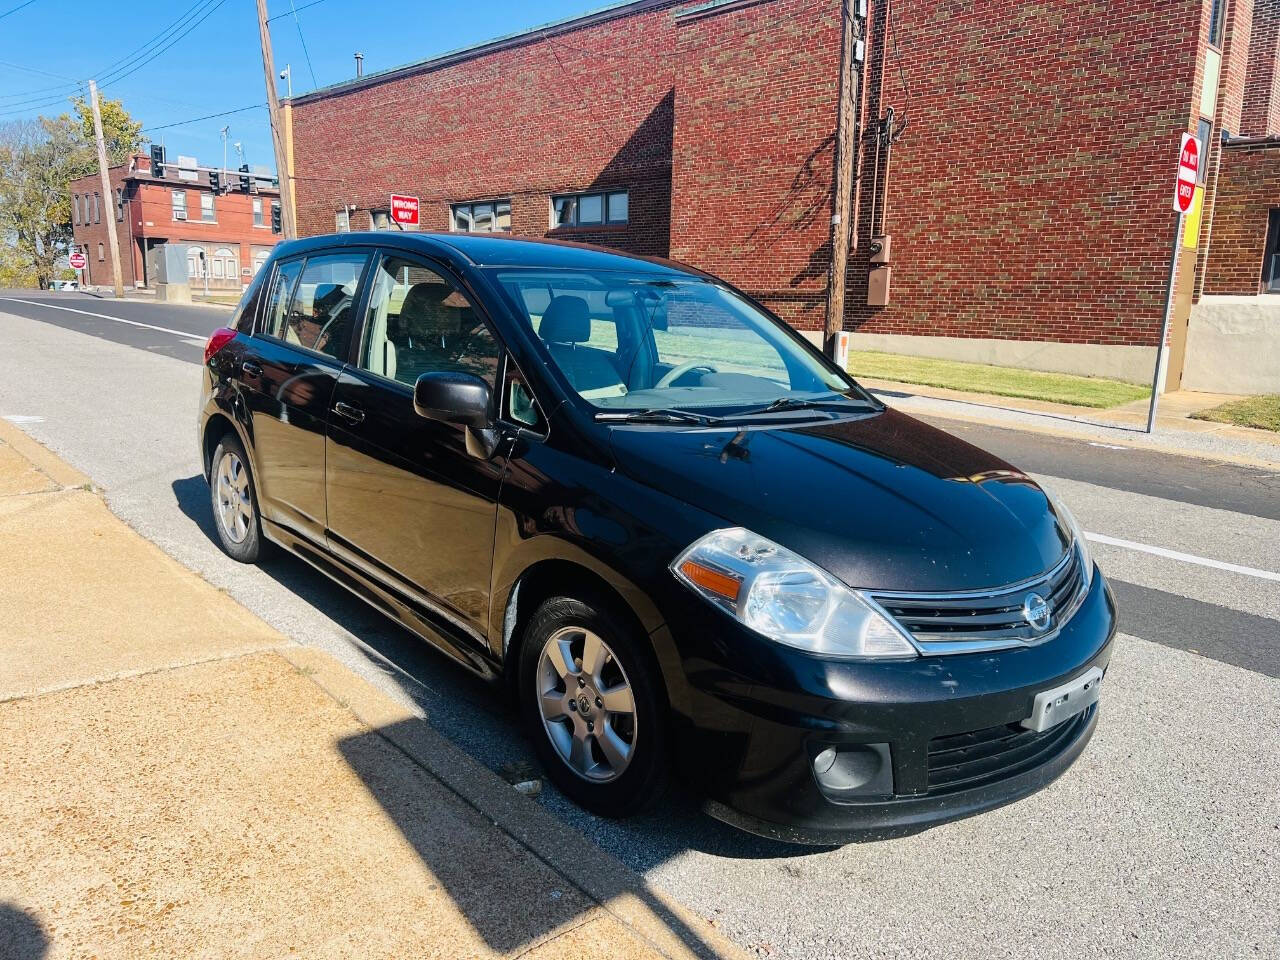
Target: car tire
(234, 499)
(589, 771)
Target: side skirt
(409, 615)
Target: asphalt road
(1160, 842)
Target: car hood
(882, 501)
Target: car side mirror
(460, 398)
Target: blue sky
(48, 45)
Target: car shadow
(480, 719)
(22, 936)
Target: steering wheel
(678, 371)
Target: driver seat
(565, 327)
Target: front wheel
(235, 502)
(592, 700)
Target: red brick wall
(1261, 113)
(753, 154)
(590, 107)
(1248, 191)
(149, 215)
(1030, 195)
(87, 236)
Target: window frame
(259, 220)
(213, 207)
(357, 300)
(1217, 23)
(506, 358)
(119, 204)
(75, 209)
(97, 207)
(470, 205)
(604, 194)
(174, 205)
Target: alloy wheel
(234, 501)
(587, 705)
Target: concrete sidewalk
(178, 779)
(1174, 432)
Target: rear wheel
(235, 502)
(592, 700)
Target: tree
(38, 160)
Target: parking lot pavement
(180, 779)
(1160, 842)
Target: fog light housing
(847, 771)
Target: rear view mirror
(461, 398)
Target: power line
(27, 3)
(195, 15)
(295, 11)
(134, 69)
(210, 116)
(305, 53)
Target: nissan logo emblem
(1035, 610)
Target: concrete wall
(1233, 345)
(1129, 363)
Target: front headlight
(786, 598)
(1079, 542)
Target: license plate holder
(1053, 706)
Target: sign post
(404, 210)
(1184, 194)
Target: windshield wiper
(801, 403)
(656, 415)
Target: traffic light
(157, 160)
(275, 218)
(215, 181)
(244, 177)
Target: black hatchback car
(685, 539)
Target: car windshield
(638, 346)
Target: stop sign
(1184, 192)
(77, 260)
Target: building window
(488, 216)
(97, 207)
(179, 204)
(88, 214)
(100, 258)
(1217, 14)
(75, 209)
(257, 212)
(342, 221)
(590, 209)
(1271, 258)
(1204, 133)
(207, 213)
(119, 205)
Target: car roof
(495, 251)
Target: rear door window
(321, 308)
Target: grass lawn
(1001, 381)
(1260, 412)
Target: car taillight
(219, 339)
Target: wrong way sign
(404, 209)
(1184, 192)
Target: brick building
(175, 205)
(1024, 182)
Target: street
(1160, 842)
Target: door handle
(352, 413)
(251, 369)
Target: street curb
(664, 923)
(43, 459)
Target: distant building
(231, 227)
(1026, 200)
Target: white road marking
(18, 418)
(1184, 557)
(1108, 446)
(186, 334)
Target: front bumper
(946, 726)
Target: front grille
(966, 760)
(990, 619)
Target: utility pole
(288, 225)
(841, 221)
(116, 276)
